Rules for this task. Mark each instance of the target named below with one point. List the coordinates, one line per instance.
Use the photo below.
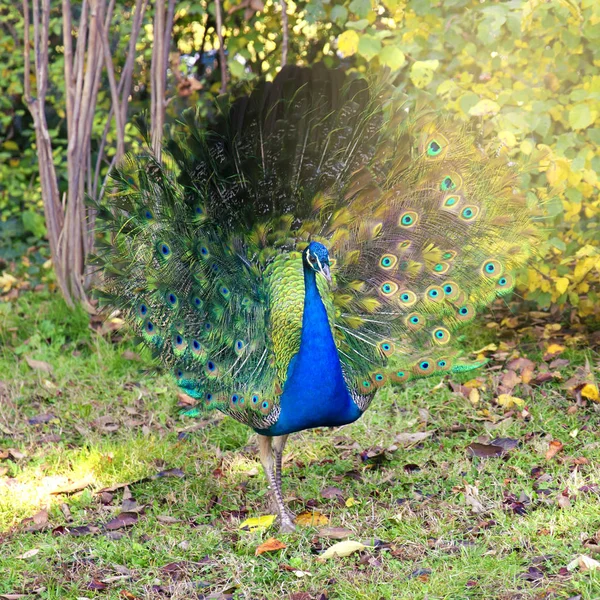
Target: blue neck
(315, 393)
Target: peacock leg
(268, 462)
(278, 446)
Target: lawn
(442, 513)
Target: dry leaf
(474, 396)
(555, 349)
(584, 562)
(342, 549)
(29, 553)
(554, 448)
(335, 533)
(38, 365)
(311, 519)
(413, 438)
(590, 392)
(271, 545)
(256, 523)
(472, 499)
(508, 401)
(351, 502)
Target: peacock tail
(424, 227)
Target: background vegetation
(524, 71)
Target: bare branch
(219, 19)
(286, 33)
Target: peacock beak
(324, 270)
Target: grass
(108, 417)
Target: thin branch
(286, 33)
(219, 18)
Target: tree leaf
(271, 545)
(342, 549)
(312, 518)
(392, 57)
(421, 72)
(369, 46)
(581, 117)
(348, 42)
(256, 523)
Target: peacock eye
(313, 259)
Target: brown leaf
(106, 423)
(554, 448)
(484, 450)
(335, 533)
(186, 400)
(271, 545)
(124, 519)
(332, 492)
(75, 487)
(38, 365)
(408, 439)
(96, 585)
(167, 519)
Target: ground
(442, 513)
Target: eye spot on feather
(386, 348)
(164, 250)
(388, 261)
(449, 255)
(399, 376)
(198, 211)
(210, 365)
(265, 407)
(149, 327)
(196, 302)
(424, 367)
(211, 369)
(408, 298)
(207, 326)
(405, 245)
(451, 290)
(434, 293)
(254, 399)
(441, 268)
(443, 364)
(441, 336)
(148, 215)
(465, 313)
(505, 284)
(225, 292)
(204, 253)
(408, 219)
(492, 268)
(389, 288)
(143, 309)
(450, 201)
(239, 346)
(178, 373)
(469, 213)
(171, 299)
(378, 379)
(434, 148)
(415, 321)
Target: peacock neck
(315, 392)
(317, 340)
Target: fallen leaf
(472, 499)
(124, 519)
(474, 396)
(312, 518)
(29, 553)
(169, 473)
(508, 401)
(41, 419)
(584, 562)
(554, 349)
(256, 523)
(342, 549)
(38, 365)
(271, 545)
(96, 585)
(554, 448)
(331, 492)
(484, 450)
(351, 502)
(590, 392)
(75, 487)
(413, 438)
(167, 519)
(335, 533)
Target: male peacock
(318, 241)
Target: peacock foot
(286, 525)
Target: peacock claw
(286, 526)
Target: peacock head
(316, 257)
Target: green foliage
(525, 71)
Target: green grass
(424, 540)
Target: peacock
(320, 237)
